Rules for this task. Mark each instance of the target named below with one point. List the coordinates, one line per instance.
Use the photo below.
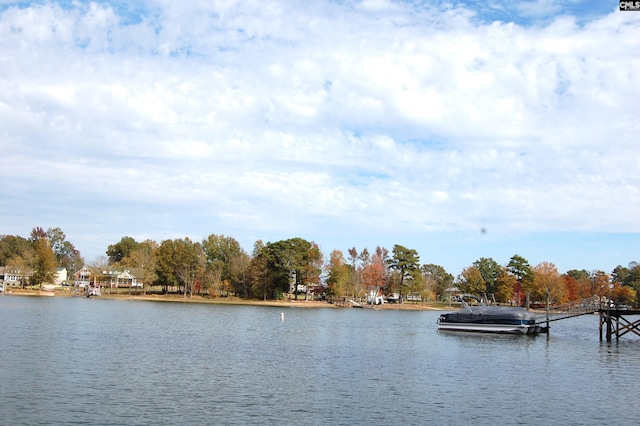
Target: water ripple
(77, 361)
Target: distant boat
(489, 319)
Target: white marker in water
(281, 316)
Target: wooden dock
(615, 322)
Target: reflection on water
(112, 362)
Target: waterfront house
(13, 276)
(117, 279)
(102, 278)
(60, 276)
(82, 278)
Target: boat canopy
(496, 314)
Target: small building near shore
(102, 278)
(13, 276)
(60, 276)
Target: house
(60, 276)
(82, 278)
(115, 279)
(119, 279)
(93, 278)
(13, 276)
(452, 294)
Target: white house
(12, 276)
(91, 277)
(60, 276)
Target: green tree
(179, 263)
(121, 249)
(491, 272)
(260, 278)
(519, 267)
(405, 261)
(190, 264)
(288, 262)
(226, 261)
(633, 280)
(239, 269)
(13, 248)
(65, 253)
(437, 279)
(17, 254)
(628, 277)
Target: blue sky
(460, 129)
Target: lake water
(106, 362)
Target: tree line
(218, 266)
(40, 254)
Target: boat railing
(482, 301)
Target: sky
(460, 129)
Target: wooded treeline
(218, 266)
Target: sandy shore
(230, 300)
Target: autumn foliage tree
(628, 277)
(622, 294)
(504, 288)
(600, 284)
(548, 283)
(339, 274)
(579, 284)
(470, 281)
(142, 261)
(44, 261)
(219, 265)
(312, 269)
(374, 274)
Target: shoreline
(429, 306)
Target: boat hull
(490, 328)
(490, 319)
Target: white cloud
(295, 118)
